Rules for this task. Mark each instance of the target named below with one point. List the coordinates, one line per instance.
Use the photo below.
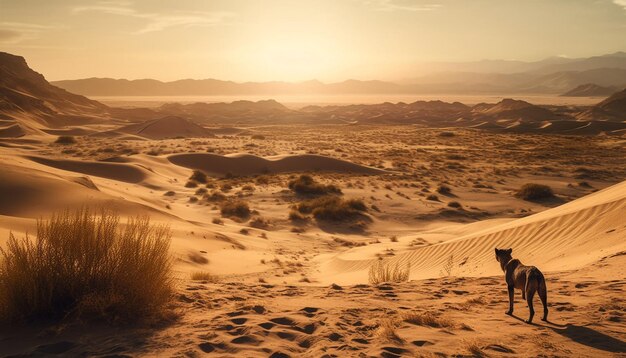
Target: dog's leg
(511, 298)
(543, 295)
(529, 299)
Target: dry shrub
(198, 177)
(427, 319)
(475, 349)
(332, 208)
(204, 276)
(295, 215)
(385, 272)
(215, 196)
(387, 331)
(65, 139)
(306, 185)
(87, 265)
(260, 223)
(238, 209)
(532, 191)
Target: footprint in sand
(240, 320)
(208, 347)
(251, 340)
(393, 352)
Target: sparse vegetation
(199, 177)
(65, 139)
(444, 189)
(332, 208)
(475, 349)
(427, 319)
(387, 331)
(306, 185)
(204, 276)
(532, 191)
(385, 272)
(238, 209)
(87, 265)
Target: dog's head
(504, 255)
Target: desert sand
(438, 199)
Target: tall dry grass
(382, 271)
(89, 265)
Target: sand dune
(116, 171)
(29, 193)
(563, 238)
(249, 164)
(167, 127)
(11, 131)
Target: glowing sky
(329, 40)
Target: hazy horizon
(279, 40)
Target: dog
(526, 278)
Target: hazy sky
(329, 40)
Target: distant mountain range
(31, 105)
(551, 76)
(591, 90)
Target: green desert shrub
(532, 191)
(87, 265)
(306, 185)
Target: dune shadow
(591, 338)
(583, 335)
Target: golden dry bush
(387, 331)
(88, 265)
(382, 271)
(427, 319)
(204, 276)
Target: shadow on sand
(585, 335)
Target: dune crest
(563, 238)
(116, 171)
(246, 164)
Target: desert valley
(275, 217)
(279, 218)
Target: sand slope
(245, 164)
(116, 171)
(563, 238)
(167, 127)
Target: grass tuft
(332, 208)
(533, 191)
(385, 272)
(427, 319)
(65, 139)
(238, 209)
(306, 185)
(204, 276)
(88, 265)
